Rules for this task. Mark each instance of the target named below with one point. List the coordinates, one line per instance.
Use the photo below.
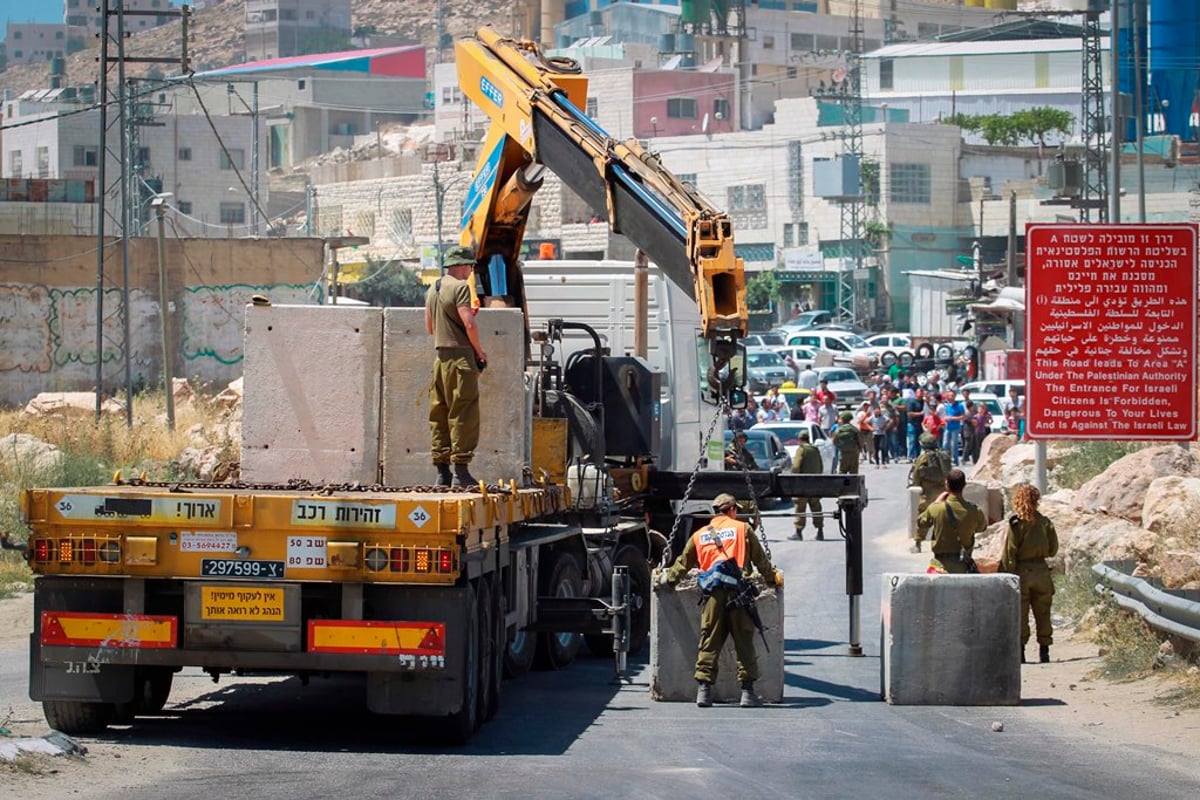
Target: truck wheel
(75, 717)
(489, 653)
(518, 655)
(457, 728)
(639, 591)
(558, 650)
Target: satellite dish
(704, 123)
(839, 75)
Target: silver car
(844, 383)
(789, 433)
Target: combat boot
(463, 479)
(916, 548)
(444, 478)
(749, 698)
(797, 535)
(820, 534)
(704, 694)
(1044, 653)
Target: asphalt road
(579, 734)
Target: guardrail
(1170, 613)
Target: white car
(803, 356)
(845, 384)
(890, 341)
(992, 403)
(998, 389)
(849, 349)
(789, 433)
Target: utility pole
(851, 206)
(159, 205)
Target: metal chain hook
(665, 558)
(758, 520)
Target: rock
(182, 392)
(70, 404)
(1121, 489)
(231, 396)
(29, 452)
(998, 727)
(1178, 568)
(1171, 508)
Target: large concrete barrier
(951, 640)
(675, 635)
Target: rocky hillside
(217, 40)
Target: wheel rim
(564, 589)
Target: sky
(32, 11)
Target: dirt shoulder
(16, 618)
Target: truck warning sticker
(306, 552)
(241, 603)
(343, 514)
(199, 512)
(207, 542)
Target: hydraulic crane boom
(534, 104)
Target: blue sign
(482, 183)
(491, 92)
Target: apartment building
(37, 43)
(281, 28)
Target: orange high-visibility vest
(725, 538)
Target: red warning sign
(1110, 337)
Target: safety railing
(1175, 613)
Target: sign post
(1110, 340)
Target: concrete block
(407, 370)
(914, 501)
(675, 635)
(951, 640)
(311, 404)
(977, 493)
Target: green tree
(762, 291)
(877, 234)
(1035, 124)
(390, 285)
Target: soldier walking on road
(729, 546)
(454, 392)
(807, 462)
(1030, 541)
(954, 522)
(846, 442)
(928, 473)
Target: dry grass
(15, 576)
(93, 452)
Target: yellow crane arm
(534, 103)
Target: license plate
(240, 568)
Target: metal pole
(1114, 183)
(439, 195)
(1010, 264)
(1139, 22)
(641, 303)
(101, 195)
(852, 513)
(254, 217)
(168, 377)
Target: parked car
(789, 433)
(845, 384)
(765, 368)
(849, 349)
(768, 339)
(890, 341)
(809, 319)
(803, 356)
(992, 403)
(769, 453)
(998, 389)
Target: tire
(558, 650)
(519, 654)
(490, 646)
(970, 352)
(923, 351)
(944, 352)
(639, 590)
(906, 359)
(456, 728)
(887, 358)
(74, 717)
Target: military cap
(459, 256)
(802, 435)
(928, 441)
(846, 416)
(723, 500)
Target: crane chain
(757, 527)
(665, 558)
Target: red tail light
(445, 561)
(41, 550)
(87, 551)
(401, 559)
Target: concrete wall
(48, 308)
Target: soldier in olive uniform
(848, 445)
(955, 522)
(929, 473)
(1031, 540)
(725, 539)
(807, 462)
(454, 392)
(737, 454)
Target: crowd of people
(892, 416)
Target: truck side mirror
(738, 398)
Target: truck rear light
(376, 559)
(87, 551)
(110, 552)
(445, 562)
(42, 549)
(66, 551)
(401, 559)
(424, 560)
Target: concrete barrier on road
(674, 637)
(951, 640)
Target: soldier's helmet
(927, 441)
(846, 416)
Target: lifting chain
(757, 527)
(665, 559)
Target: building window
(593, 107)
(681, 108)
(804, 41)
(184, 206)
(909, 183)
(789, 234)
(17, 34)
(451, 95)
(768, 42)
(234, 159)
(18, 53)
(185, 154)
(84, 156)
(43, 162)
(58, 34)
(687, 178)
(233, 213)
(143, 157)
(15, 167)
(288, 14)
(721, 108)
(886, 73)
(747, 204)
(300, 84)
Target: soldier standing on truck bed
(454, 392)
